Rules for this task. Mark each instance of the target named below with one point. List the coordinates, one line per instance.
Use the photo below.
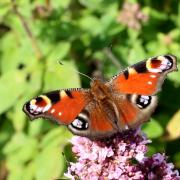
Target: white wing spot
(149, 82)
(152, 76)
(32, 107)
(60, 113)
(126, 127)
(53, 110)
(46, 108)
(153, 70)
(39, 109)
(166, 64)
(77, 123)
(144, 99)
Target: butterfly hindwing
(93, 122)
(61, 106)
(145, 77)
(134, 109)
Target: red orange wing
(74, 108)
(134, 109)
(61, 106)
(145, 77)
(93, 122)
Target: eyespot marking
(37, 100)
(159, 64)
(45, 98)
(81, 121)
(169, 58)
(39, 105)
(80, 124)
(143, 101)
(46, 108)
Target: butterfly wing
(61, 106)
(145, 77)
(133, 89)
(71, 107)
(98, 125)
(134, 109)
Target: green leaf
(20, 149)
(12, 86)
(17, 116)
(16, 51)
(55, 137)
(177, 159)
(92, 4)
(88, 23)
(57, 75)
(29, 171)
(153, 129)
(62, 4)
(49, 164)
(4, 8)
(35, 128)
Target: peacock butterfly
(125, 101)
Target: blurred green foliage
(94, 37)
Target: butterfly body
(125, 101)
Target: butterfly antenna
(77, 71)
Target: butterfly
(106, 108)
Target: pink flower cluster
(131, 15)
(121, 157)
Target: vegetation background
(95, 37)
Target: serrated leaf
(153, 129)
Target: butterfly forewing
(145, 77)
(61, 106)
